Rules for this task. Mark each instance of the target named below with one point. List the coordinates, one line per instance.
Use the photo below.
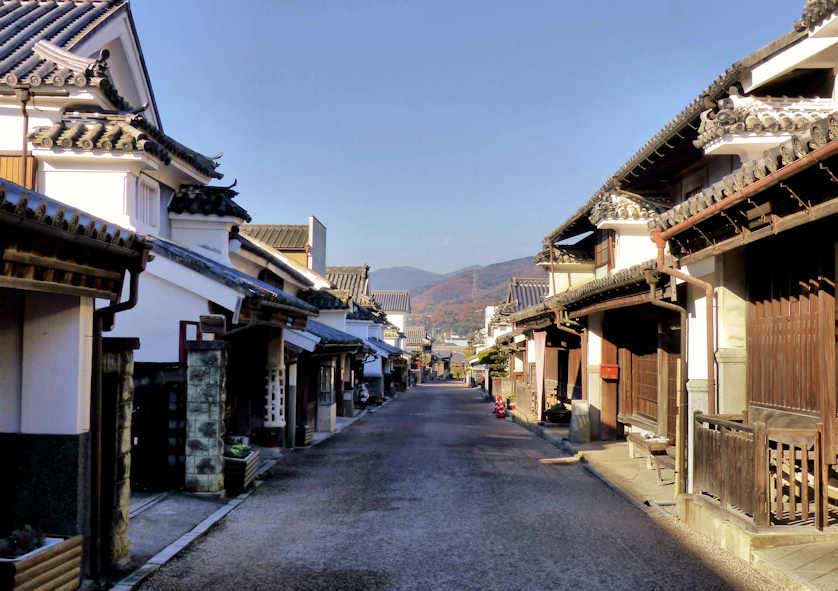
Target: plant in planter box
(21, 541)
(28, 557)
(558, 413)
(240, 465)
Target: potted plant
(558, 413)
(31, 560)
(240, 465)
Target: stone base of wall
(45, 482)
(205, 397)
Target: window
(604, 249)
(147, 203)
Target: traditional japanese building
(66, 389)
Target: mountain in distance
(455, 301)
(408, 278)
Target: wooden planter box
(240, 473)
(56, 565)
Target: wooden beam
(781, 225)
(623, 302)
(27, 258)
(54, 287)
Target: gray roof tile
(206, 200)
(354, 280)
(229, 276)
(279, 236)
(392, 300)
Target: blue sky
(432, 133)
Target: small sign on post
(609, 371)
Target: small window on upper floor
(147, 203)
(604, 249)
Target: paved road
(433, 492)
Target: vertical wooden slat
(820, 501)
(778, 481)
(804, 482)
(761, 476)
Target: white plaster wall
(397, 319)
(206, 235)
(98, 192)
(565, 279)
(56, 364)
(11, 122)
(156, 318)
(11, 335)
(696, 333)
(633, 248)
(334, 318)
(594, 355)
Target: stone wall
(205, 397)
(118, 381)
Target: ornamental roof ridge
(118, 132)
(622, 205)
(815, 13)
(817, 135)
(738, 114)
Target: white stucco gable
(126, 63)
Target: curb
(136, 578)
(348, 424)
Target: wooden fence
(764, 475)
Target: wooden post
(761, 500)
(821, 499)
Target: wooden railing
(764, 475)
(724, 463)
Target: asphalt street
(433, 492)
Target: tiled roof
(229, 276)
(326, 299)
(416, 335)
(98, 132)
(754, 115)
(616, 280)
(525, 292)
(366, 313)
(567, 254)
(331, 336)
(354, 280)
(206, 200)
(620, 205)
(37, 37)
(392, 301)
(257, 248)
(818, 135)
(679, 127)
(393, 351)
(279, 236)
(816, 12)
(24, 204)
(531, 312)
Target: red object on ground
(500, 408)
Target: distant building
(395, 304)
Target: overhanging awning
(302, 339)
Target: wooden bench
(664, 461)
(657, 456)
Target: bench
(657, 452)
(664, 462)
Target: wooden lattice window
(604, 249)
